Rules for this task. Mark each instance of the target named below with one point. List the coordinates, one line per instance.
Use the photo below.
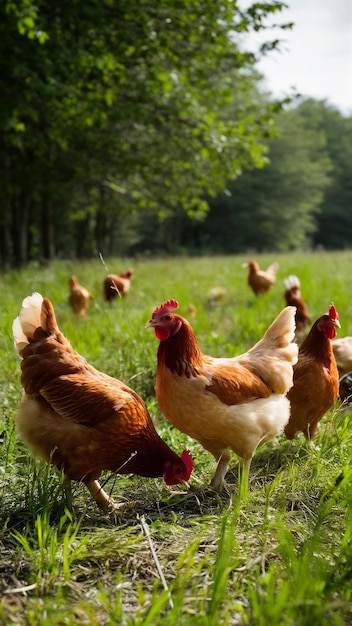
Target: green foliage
(120, 122)
(334, 221)
(277, 207)
(114, 106)
(307, 593)
(52, 551)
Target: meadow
(279, 554)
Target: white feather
(28, 321)
(292, 281)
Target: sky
(315, 58)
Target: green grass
(281, 554)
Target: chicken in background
(343, 354)
(79, 297)
(79, 419)
(215, 294)
(192, 310)
(315, 377)
(259, 280)
(293, 297)
(117, 285)
(223, 403)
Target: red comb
(188, 461)
(169, 305)
(333, 314)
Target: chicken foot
(100, 496)
(218, 479)
(223, 458)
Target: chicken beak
(336, 323)
(149, 324)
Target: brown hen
(315, 378)
(79, 297)
(79, 419)
(117, 285)
(259, 280)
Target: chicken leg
(100, 496)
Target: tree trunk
(47, 230)
(5, 255)
(100, 223)
(19, 230)
(82, 237)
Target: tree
(110, 105)
(276, 207)
(334, 220)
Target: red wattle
(162, 334)
(330, 332)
